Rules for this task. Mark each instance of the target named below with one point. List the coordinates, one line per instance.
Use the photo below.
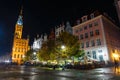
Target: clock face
(19, 22)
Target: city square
(42, 40)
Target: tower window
(18, 56)
(14, 55)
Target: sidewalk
(108, 70)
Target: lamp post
(63, 51)
(34, 56)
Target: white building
(37, 44)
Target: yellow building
(20, 45)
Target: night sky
(40, 16)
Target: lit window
(18, 56)
(14, 55)
(21, 56)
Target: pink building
(99, 37)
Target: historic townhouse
(98, 36)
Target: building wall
(99, 27)
(112, 33)
(20, 47)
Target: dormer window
(84, 18)
(92, 16)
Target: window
(96, 24)
(86, 35)
(56, 33)
(91, 33)
(94, 54)
(88, 54)
(81, 36)
(82, 45)
(100, 51)
(98, 42)
(92, 43)
(76, 31)
(85, 27)
(97, 32)
(101, 57)
(92, 16)
(84, 18)
(81, 29)
(90, 25)
(14, 55)
(18, 56)
(113, 51)
(21, 56)
(87, 44)
(18, 50)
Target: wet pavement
(31, 73)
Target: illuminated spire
(20, 20)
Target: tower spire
(21, 11)
(20, 18)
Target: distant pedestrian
(116, 65)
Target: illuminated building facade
(20, 45)
(37, 43)
(98, 36)
(62, 28)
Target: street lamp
(63, 51)
(63, 47)
(34, 55)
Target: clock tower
(20, 45)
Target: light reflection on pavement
(23, 73)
